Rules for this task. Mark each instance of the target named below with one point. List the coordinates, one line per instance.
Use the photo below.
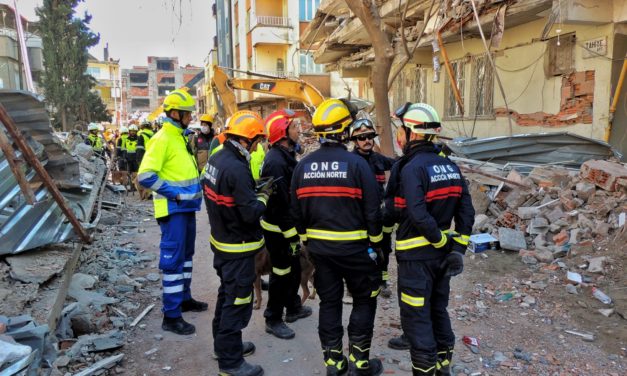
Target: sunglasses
(370, 136)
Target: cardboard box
(482, 242)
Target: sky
(136, 29)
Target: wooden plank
(141, 315)
(9, 153)
(68, 272)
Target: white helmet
(123, 129)
(93, 127)
(133, 128)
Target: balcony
(272, 21)
(271, 30)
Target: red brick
(584, 88)
(561, 238)
(603, 173)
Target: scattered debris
(141, 315)
(104, 363)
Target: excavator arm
(290, 88)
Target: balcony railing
(273, 21)
(280, 74)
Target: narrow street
(514, 338)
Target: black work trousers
(233, 308)
(386, 248)
(423, 294)
(363, 280)
(284, 279)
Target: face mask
(204, 129)
(298, 149)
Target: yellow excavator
(289, 88)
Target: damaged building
(559, 62)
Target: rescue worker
(200, 142)
(425, 193)
(130, 147)
(94, 139)
(169, 170)
(336, 205)
(235, 209)
(256, 157)
(282, 240)
(362, 133)
(120, 149)
(144, 134)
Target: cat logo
(264, 86)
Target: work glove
(453, 264)
(265, 192)
(295, 248)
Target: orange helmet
(247, 124)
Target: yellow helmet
(207, 118)
(179, 100)
(247, 124)
(331, 117)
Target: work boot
(385, 290)
(248, 350)
(360, 364)
(399, 343)
(443, 366)
(423, 364)
(193, 305)
(334, 359)
(300, 314)
(244, 369)
(279, 330)
(177, 326)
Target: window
(418, 86)
(482, 87)
(308, 66)
(560, 55)
(140, 103)
(167, 65)
(165, 90)
(307, 9)
(93, 71)
(451, 108)
(140, 78)
(399, 96)
(167, 80)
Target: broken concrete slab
(528, 212)
(538, 226)
(585, 190)
(480, 200)
(77, 290)
(99, 365)
(511, 239)
(10, 351)
(38, 266)
(96, 343)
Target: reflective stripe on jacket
(232, 204)
(96, 142)
(425, 193)
(169, 170)
(335, 202)
(279, 163)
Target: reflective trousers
(363, 280)
(423, 293)
(284, 279)
(233, 307)
(178, 237)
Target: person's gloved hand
(295, 247)
(453, 264)
(265, 192)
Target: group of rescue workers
(334, 202)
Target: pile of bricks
(558, 209)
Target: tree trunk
(379, 78)
(64, 123)
(368, 14)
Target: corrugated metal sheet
(24, 226)
(561, 148)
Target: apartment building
(145, 87)
(106, 72)
(11, 72)
(263, 36)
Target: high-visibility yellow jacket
(170, 171)
(256, 159)
(96, 142)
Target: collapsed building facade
(559, 62)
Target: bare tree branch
(416, 44)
